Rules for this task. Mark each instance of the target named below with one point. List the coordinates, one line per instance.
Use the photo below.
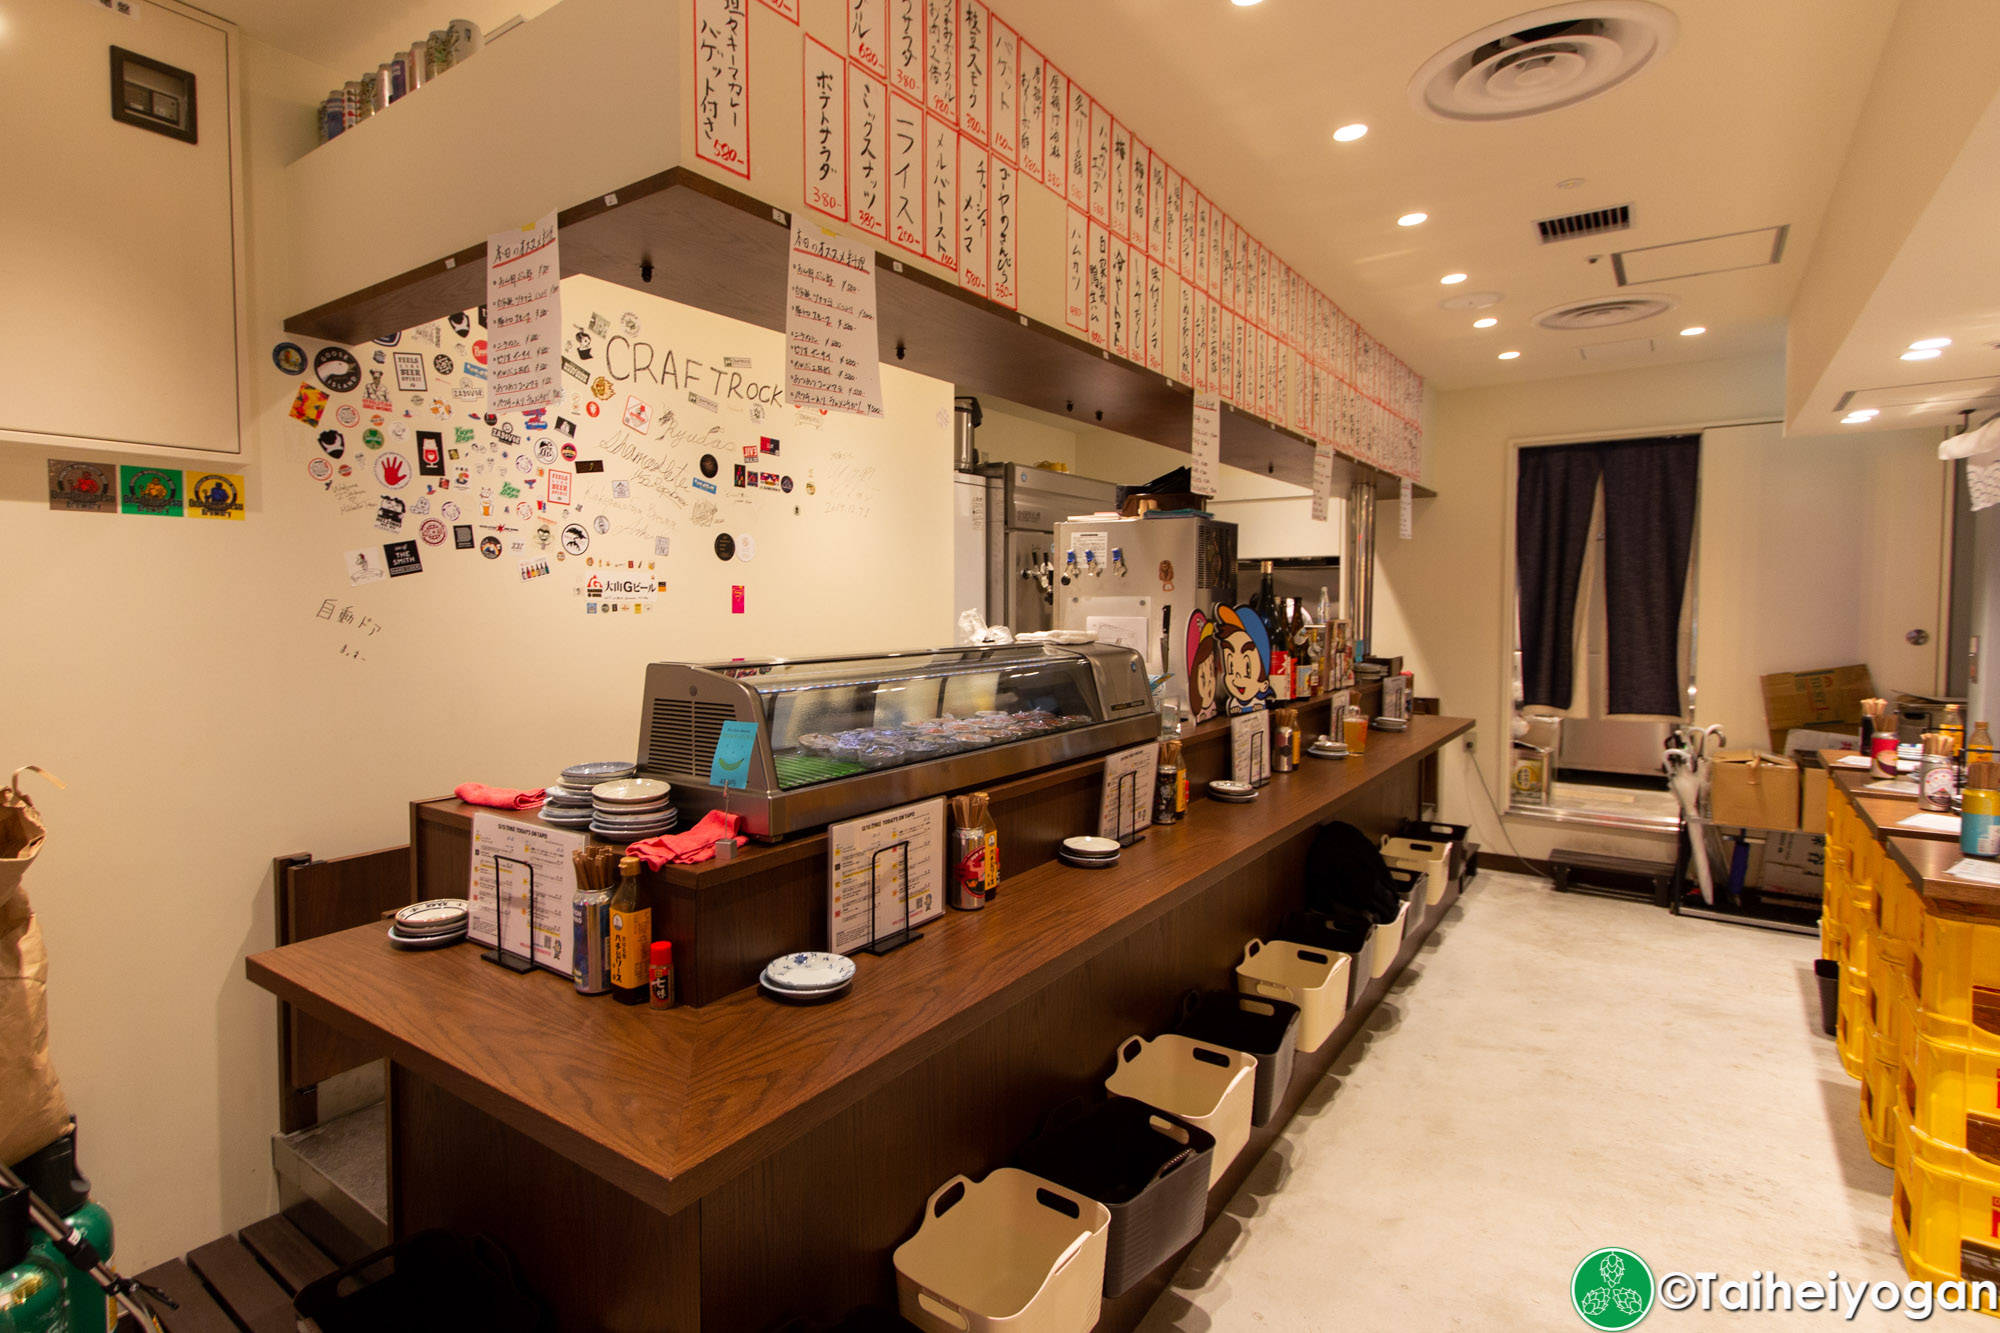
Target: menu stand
(1126, 833)
(890, 943)
(500, 953)
(1260, 773)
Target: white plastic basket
(1432, 858)
(1012, 1251)
(1313, 979)
(1387, 942)
(1206, 1085)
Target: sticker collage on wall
(80, 487)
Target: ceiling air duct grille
(1543, 60)
(1594, 223)
(1602, 312)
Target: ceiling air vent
(1594, 223)
(1605, 311)
(1543, 60)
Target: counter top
(1927, 861)
(668, 1105)
(1852, 780)
(1882, 815)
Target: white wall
(177, 674)
(1443, 599)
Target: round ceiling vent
(1470, 301)
(1543, 60)
(1605, 312)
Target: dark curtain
(1551, 533)
(1650, 489)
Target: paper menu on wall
(523, 317)
(831, 357)
(1405, 510)
(1250, 746)
(1322, 480)
(1126, 805)
(899, 852)
(1207, 450)
(510, 856)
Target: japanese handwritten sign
(906, 174)
(1004, 67)
(941, 60)
(722, 84)
(906, 48)
(867, 150)
(832, 359)
(1003, 224)
(825, 130)
(524, 317)
(1076, 272)
(868, 35)
(1033, 143)
(974, 78)
(974, 212)
(941, 192)
(1207, 443)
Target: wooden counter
(725, 1167)
(1852, 780)
(1928, 862)
(1882, 815)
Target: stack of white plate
(1235, 793)
(432, 924)
(1326, 747)
(807, 978)
(1088, 853)
(631, 809)
(569, 804)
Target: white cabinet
(120, 248)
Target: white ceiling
(1743, 124)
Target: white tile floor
(1553, 1074)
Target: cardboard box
(1812, 796)
(1795, 863)
(1811, 698)
(1754, 789)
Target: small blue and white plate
(809, 971)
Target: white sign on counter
(507, 856)
(523, 317)
(831, 356)
(1126, 807)
(1207, 442)
(1250, 746)
(897, 851)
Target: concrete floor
(1556, 1073)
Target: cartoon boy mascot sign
(1245, 649)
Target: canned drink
(398, 75)
(438, 47)
(466, 40)
(417, 66)
(332, 116)
(1937, 782)
(355, 99)
(590, 946)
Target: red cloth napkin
(692, 847)
(500, 798)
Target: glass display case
(842, 736)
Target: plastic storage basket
(1012, 1251)
(1388, 942)
(1209, 1086)
(1148, 1168)
(1322, 932)
(1432, 858)
(1943, 1210)
(1254, 1025)
(1313, 979)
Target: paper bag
(32, 1111)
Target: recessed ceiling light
(1349, 133)
(1245, 4)
(1509, 356)
(1694, 331)
(1924, 354)
(1855, 421)
(1865, 412)
(1450, 278)
(1413, 219)
(1486, 323)
(1925, 344)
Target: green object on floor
(32, 1299)
(88, 1305)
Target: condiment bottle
(660, 975)
(1281, 745)
(1979, 749)
(1166, 790)
(1979, 826)
(1180, 778)
(631, 936)
(992, 829)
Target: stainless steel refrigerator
(1024, 505)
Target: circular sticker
(319, 469)
(602, 524)
(629, 322)
(290, 358)
(392, 471)
(490, 547)
(348, 415)
(337, 369)
(490, 419)
(601, 387)
(333, 443)
(523, 464)
(746, 547)
(575, 539)
(450, 511)
(524, 510)
(709, 467)
(442, 364)
(432, 532)
(591, 407)
(545, 451)
(725, 547)
(461, 323)
(479, 351)
(372, 438)
(346, 471)
(399, 431)
(785, 485)
(569, 453)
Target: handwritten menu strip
(1135, 302)
(1157, 243)
(524, 317)
(1169, 216)
(1004, 69)
(1055, 135)
(1003, 224)
(1207, 446)
(1120, 159)
(1199, 272)
(1156, 315)
(941, 193)
(975, 258)
(1142, 194)
(722, 84)
(1185, 350)
(1100, 285)
(975, 112)
(868, 35)
(1100, 163)
(786, 8)
(825, 129)
(867, 149)
(941, 60)
(1033, 144)
(906, 49)
(1077, 141)
(1076, 270)
(832, 359)
(1212, 236)
(1117, 303)
(906, 174)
